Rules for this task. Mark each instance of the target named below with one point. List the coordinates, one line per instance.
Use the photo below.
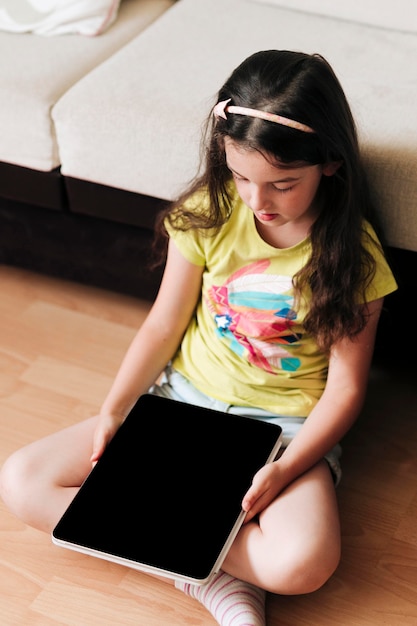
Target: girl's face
(277, 195)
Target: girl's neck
(284, 236)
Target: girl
(268, 307)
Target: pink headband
(221, 108)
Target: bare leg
(295, 546)
(39, 481)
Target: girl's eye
(284, 190)
(236, 177)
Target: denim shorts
(175, 386)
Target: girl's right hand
(106, 428)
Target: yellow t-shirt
(245, 344)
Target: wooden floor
(60, 346)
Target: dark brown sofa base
(77, 230)
(77, 247)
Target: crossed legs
(293, 548)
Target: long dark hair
(304, 88)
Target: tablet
(165, 497)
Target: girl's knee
(312, 576)
(301, 572)
(15, 477)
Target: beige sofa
(98, 132)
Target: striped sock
(231, 601)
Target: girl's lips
(266, 217)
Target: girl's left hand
(267, 483)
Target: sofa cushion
(146, 136)
(36, 71)
(399, 15)
(58, 17)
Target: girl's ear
(331, 168)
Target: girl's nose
(259, 199)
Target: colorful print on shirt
(253, 311)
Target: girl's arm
(329, 421)
(154, 344)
